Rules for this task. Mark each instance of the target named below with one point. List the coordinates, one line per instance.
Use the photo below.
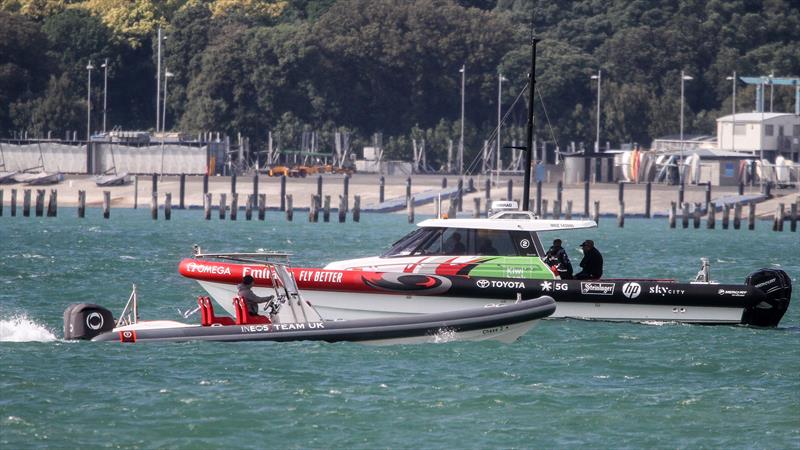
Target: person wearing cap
(592, 262)
(250, 298)
(557, 256)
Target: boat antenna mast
(526, 192)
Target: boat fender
(777, 288)
(86, 320)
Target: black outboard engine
(86, 320)
(777, 287)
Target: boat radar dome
(502, 205)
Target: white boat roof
(526, 224)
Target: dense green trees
(389, 66)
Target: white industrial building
(774, 134)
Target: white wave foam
(22, 329)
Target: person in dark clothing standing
(252, 300)
(592, 262)
(557, 256)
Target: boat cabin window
(464, 241)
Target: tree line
(391, 66)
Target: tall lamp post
(167, 76)
(89, 68)
(733, 111)
(463, 71)
(500, 79)
(684, 78)
(599, 79)
(105, 92)
(158, 80)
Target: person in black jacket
(592, 262)
(557, 256)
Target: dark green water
(566, 383)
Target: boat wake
(23, 329)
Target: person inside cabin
(486, 245)
(592, 262)
(557, 257)
(454, 246)
(250, 298)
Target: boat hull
(504, 323)
(348, 295)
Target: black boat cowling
(86, 320)
(777, 288)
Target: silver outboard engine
(86, 320)
(777, 287)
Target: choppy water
(565, 384)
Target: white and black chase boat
(292, 318)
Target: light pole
(461, 142)
(684, 78)
(599, 78)
(105, 92)
(89, 68)
(500, 79)
(167, 76)
(158, 82)
(733, 111)
(771, 89)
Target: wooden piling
(52, 205)
(342, 208)
(207, 206)
(444, 182)
(543, 215)
(460, 192)
(726, 212)
(39, 202)
(596, 215)
(621, 191)
(135, 192)
(539, 199)
(106, 204)
(1, 203)
(326, 212)
(262, 206)
(559, 192)
(154, 187)
(168, 206)
(223, 205)
(234, 205)
(255, 189)
(381, 189)
(313, 215)
(737, 216)
(751, 217)
(233, 186)
(777, 222)
(346, 192)
(81, 204)
(586, 198)
(410, 209)
(205, 184)
(182, 192)
(741, 188)
(356, 208)
(556, 209)
(452, 209)
(621, 215)
(672, 213)
(319, 189)
(408, 188)
(487, 190)
(476, 209)
(680, 193)
(13, 203)
(26, 203)
(283, 193)
(568, 213)
(510, 192)
(648, 195)
(248, 208)
(793, 217)
(708, 194)
(712, 216)
(685, 215)
(289, 207)
(154, 205)
(697, 215)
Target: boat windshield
(463, 241)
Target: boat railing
(270, 257)
(130, 314)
